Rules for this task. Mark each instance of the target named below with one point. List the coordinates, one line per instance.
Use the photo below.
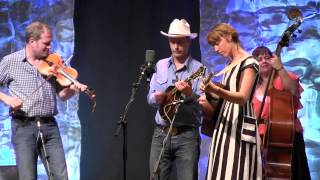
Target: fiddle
(53, 65)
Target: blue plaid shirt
(23, 80)
(166, 75)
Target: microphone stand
(155, 173)
(46, 157)
(122, 123)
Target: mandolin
(169, 106)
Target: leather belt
(36, 118)
(175, 130)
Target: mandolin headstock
(200, 72)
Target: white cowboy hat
(179, 28)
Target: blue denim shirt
(166, 75)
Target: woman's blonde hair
(222, 30)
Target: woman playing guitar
(234, 151)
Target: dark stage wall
(110, 42)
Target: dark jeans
(27, 145)
(182, 149)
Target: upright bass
(277, 144)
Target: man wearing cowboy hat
(182, 147)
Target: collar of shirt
(22, 55)
(186, 64)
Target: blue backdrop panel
(15, 15)
(262, 22)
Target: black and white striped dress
(235, 148)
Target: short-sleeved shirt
(23, 80)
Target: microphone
(150, 54)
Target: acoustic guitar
(208, 121)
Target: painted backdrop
(15, 15)
(262, 22)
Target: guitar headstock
(207, 79)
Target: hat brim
(191, 35)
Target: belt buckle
(174, 130)
(37, 118)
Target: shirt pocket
(162, 83)
(162, 80)
(249, 129)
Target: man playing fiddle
(32, 100)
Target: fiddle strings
(65, 74)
